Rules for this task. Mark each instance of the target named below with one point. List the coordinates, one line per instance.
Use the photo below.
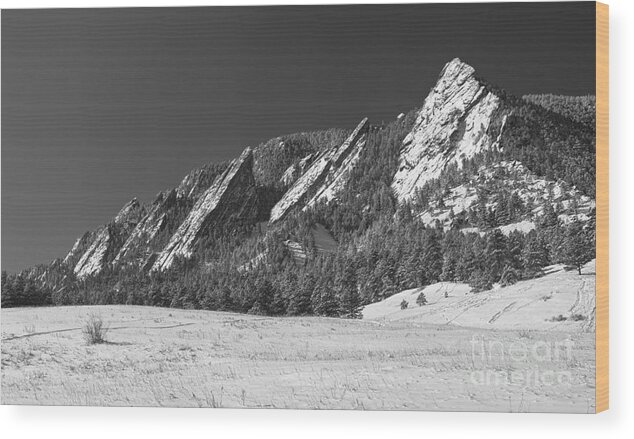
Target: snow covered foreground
(535, 304)
(492, 351)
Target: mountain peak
(132, 210)
(455, 68)
(453, 124)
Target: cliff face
(137, 247)
(231, 197)
(107, 241)
(80, 247)
(166, 211)
(325, 177)
(458, 120)
(197, 182)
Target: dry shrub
(94, 329)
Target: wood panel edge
(602, 210)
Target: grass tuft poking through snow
(94, 329)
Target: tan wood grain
(602, 197)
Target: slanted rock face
(296, 170)
(167, 208)
(108, 240)
(137, 247)
(231, 197)
(325, 177)
(195, 183)
(79, 248)
(455, 123)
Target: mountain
(476, 187)
(461, 117)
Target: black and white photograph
(343, 207)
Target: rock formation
(163, 214)
(80, 247)
(107, 240)
(231, 197)
(325, 177)
(456, 122)
(137, 247)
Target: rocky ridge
(232, 196)
(165, 209)
(462, 116)
(107, 240)
(325, 177)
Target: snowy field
(428, 358)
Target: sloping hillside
(509, 193)
(535, 304)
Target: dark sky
(101, 105)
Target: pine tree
(348, 293)
(18, 291)
(300, 299)
(431, 258)
(514, 246)
(549, 217)
(451, 255)
(421, 300)
(263, 297)
(388, 286)
(326, 299)
(471, 257)
(409, 273)
(480, 281)
(495, 254)
(225, 301)
(578, 247)
(534, 255)
(8, 292)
